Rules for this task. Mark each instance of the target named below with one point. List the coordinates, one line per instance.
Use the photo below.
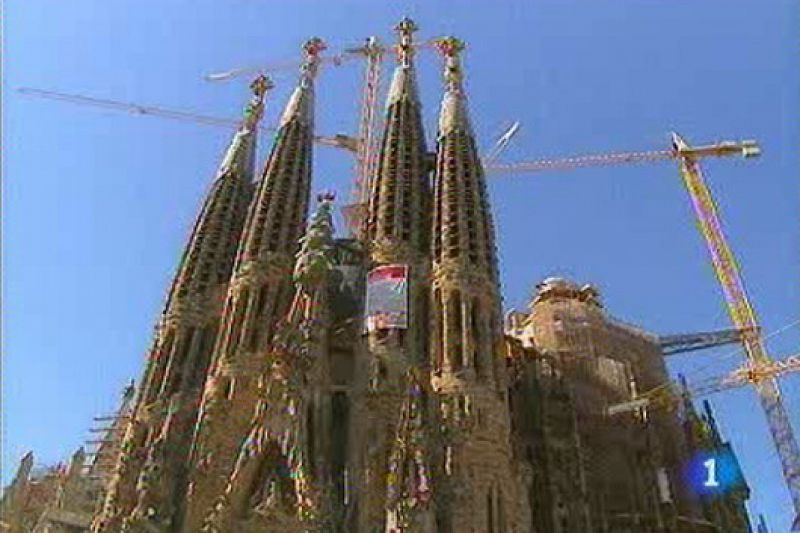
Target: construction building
(299, 382)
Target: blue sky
(99, 203)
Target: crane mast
(743, 317)
(373, 52)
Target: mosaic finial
(312, 48)
(450, 48)
(405, 49)
(260, 86)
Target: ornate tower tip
(326, 196)
(406, 26)
(314, 46)
(449, 46)
(405, 49)
(252, 114)
(261, 85)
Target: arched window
(160, 365)
(438, 350)
(227, 389)
(236, 321)
(454, 327)
(477, 338)
(490, 511)
(501, 512)
(206, 346)
(311, 435)
(179, 360)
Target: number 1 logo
(711, 470)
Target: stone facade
(269, 402)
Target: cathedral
(298, 382)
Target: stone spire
(258, 296)
(240, 157)
(21, 478)
(479, 484)
(397, 233)
(25, 467)
(74, 486)
(695, 428)
(150, 470)
(466, 289)
(280, 469)
(404, 79)
(398, 223)
(453, 114)
(77, 462)
(15, 495)
(711, 420)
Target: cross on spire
(260, 86)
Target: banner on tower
(387, 298)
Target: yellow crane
(760, 369)
(668, 395)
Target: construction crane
(690, 342)
(759, 365)
(364, 145)
(368, 115)
(364, 151)
(760, 371)
(721, 149)
(336, 141)
(746, 148)
(335, 60)
(668, 395)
